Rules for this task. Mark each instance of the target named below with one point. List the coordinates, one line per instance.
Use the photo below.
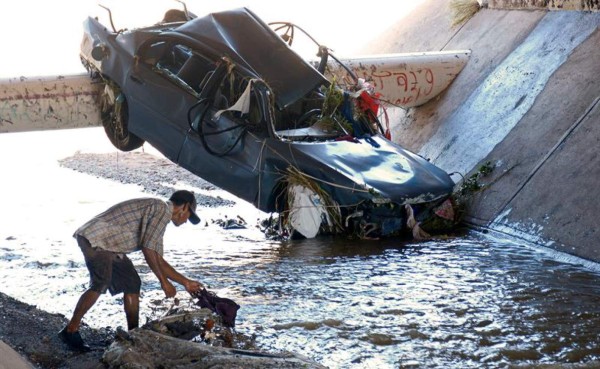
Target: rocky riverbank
(33, 334)
(155, 175)
(160, 344)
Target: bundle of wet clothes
(224, 307)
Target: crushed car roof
(248, 41)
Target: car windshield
(326, 113)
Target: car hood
(378, 164)
(247, 40)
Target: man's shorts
(108, 270)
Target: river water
(475, 301)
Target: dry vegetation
(463, 10)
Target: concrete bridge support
(41, 103)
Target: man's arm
(172, 274)
(166, 272)
(153, 259)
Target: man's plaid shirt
(129, 226)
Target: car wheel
(115, 116)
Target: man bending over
(132, 225)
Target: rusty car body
(225, 97)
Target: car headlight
(99, 52)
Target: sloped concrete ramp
(557, 203)
(508, 93)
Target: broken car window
(327, 113)
(180, 64)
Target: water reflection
(464, 302)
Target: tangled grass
(463, 10)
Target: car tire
(114, 120)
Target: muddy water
(468, 302)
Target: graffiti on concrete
(410, 86)
(412, 83)
(41, 104)
(405, 80)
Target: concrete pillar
(42, 103)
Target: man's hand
(169, 289)
(192, 286)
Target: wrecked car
(225, 97)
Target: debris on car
(225, 97)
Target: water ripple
(468, 302)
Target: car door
(162, 87)
(224, 145)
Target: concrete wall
(528, 101)
(40, 103)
